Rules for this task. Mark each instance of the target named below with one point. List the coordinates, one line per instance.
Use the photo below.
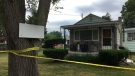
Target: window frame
(98, 35)
(75, 35)
(133, 37)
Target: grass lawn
(49, 68)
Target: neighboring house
(93, 33)
(129, 39)
(67, 39)
(67, 42)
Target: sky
(74, 8)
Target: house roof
(129, 29)
(90, 21)
(99, 24)
(91, 18)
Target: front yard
(49, 68)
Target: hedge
(112, 57)
(84, 58)
(55, 53)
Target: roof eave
(90, 25)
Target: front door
(106, 39)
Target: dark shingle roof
(91, 18)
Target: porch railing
(90, 46)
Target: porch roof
(97, 24)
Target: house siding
(129, 44)
(115, 35)
(71, 36)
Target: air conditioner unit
(129, 38)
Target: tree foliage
(107, 17)
(32, 19)
(128, 14)
(53, 35)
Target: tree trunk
(43, 11)
(18, 66)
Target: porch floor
(80, 53)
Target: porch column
(115, 38)
(100, 38)
(120, 28)
(65, 39)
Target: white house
(129, 39)
(93, 33)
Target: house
(129, 39)
(67, 39)
(93, 33)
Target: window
(76, 35)
(83, 35)
(86, 35)
(89, 34)
(131, 36)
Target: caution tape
(21, 51)
(91, 64)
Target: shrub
(55, 53)
(84, 58)
(112, 57)
(51, 42)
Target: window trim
(74, 35)
(92, 35)
(133, 37)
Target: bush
(55, 53)
(51, 42)
(112, 57)
(84, 58)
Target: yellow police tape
(37, 48)
(21, 51)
